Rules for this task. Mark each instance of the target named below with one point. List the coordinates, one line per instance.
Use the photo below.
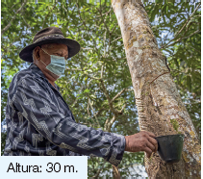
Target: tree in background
(97, 83)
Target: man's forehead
(61, 47)
(56, 45)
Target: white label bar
(37, 167)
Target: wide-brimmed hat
(49, 35)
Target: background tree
(97, 84)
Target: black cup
(170, 147)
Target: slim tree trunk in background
(116, 173)
(157, 99)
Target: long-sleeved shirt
(40, 123)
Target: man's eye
(61, 55)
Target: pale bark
(157, 98)
(116, 173)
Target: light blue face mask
(57, 65)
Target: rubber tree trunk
(158, 101)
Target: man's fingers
(151, 146)
(151, 134)
(148, 155)
(148, 151)
(154, 143)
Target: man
(39, 121)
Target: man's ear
(37, 55)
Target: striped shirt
(40, 123)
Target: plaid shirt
(40, 123)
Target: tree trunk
(157, 98)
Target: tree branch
(104, 44)
(114, 118)
(12, 19)
(77, 97)
(181, 38)
(108, 124)
(81, 16)
(95, 44)
(89, 101)
(196, 32)
(168, 44)
(116, 39)
(85, 73)
(102, 70)
(87, 48)
(98, 172)
(188, 20)
(98, 112)
(106, 13)
(118, 95)
(48, 14)
(88, 112)
(104, 21)
(108, 98)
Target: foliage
(97, 84)
(177, 27)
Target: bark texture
(157, 99)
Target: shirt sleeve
(34, 103)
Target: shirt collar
(36, 70)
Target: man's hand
(142, 141)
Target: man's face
(52, 49)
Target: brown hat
(49, 35)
